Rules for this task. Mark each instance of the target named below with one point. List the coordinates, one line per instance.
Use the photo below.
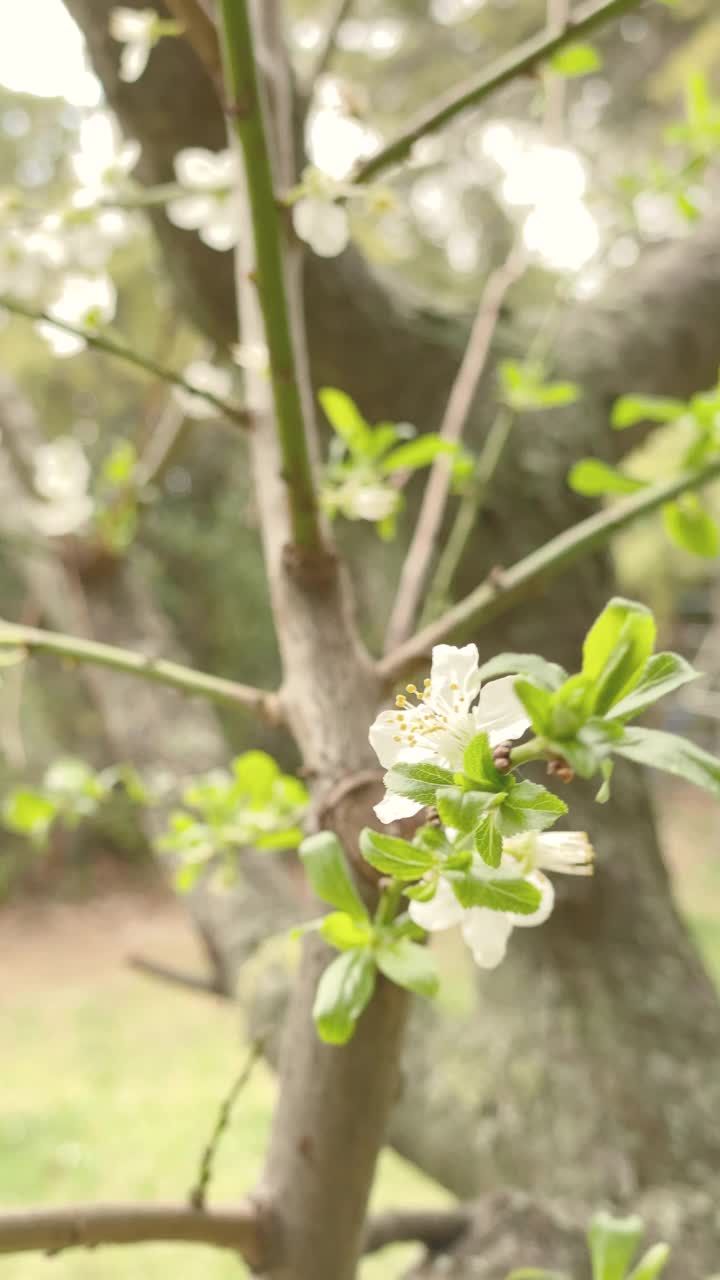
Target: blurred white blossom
(211, 206)
(26, 257)
(322, 224)
(61, 476)
(86, 302)
(253, 357)
(136, 29)
(103, 158)
(360, 498)
(206, 377)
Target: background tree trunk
(593, 1057)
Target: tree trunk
(593, 1058)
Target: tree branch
(505, 588)
(100, 342)
(425, 537)
(178, 977)
(215, 688)
(328, 43)
(245, 113)
(522, 60)
(437, 1229)
(87, 1226)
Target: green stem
(467, 513)
(533, 750)
(100, 342)
(524, 59)
(389, 903)
(246, 117)
(507, 587)
(215, 688)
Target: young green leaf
(256, 772)
(593, 479)
(652, 1263)
(672, 754)
(529, 807)
(29, 813)
(416, 453)
(613, 1243)
(662, 674)
(615, 650)
(327, 870)
(462, 809)
(691, 528)
(575, 60)
(346, 419)
(408, 965)
(479, 764)
(603, 794)
(537, 702)
(488, 841)
(417, 781)
(345, 933)
(546, 674)
(394, 857)
(518, 896)
(629, 410)
(344, 990)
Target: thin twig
(111, 347)
(198, 1195)
(215, 688)
(328, 43)
(503, 589)
(437, 488)
(85, 1226)
(177, 977)
(246, 119)
(437, 1229)
(524, 59)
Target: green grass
(109, 1091)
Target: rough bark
(606, 1011)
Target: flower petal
(204, 170)
(569, 852)
(547, 902)
(499, 713)
(390, 742)
(321, 224)
(454, 671)
(441, 912)
(486, 933)
(394, 808)
(133, 61)
(190, 212)
(222, 230)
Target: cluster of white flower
(450, 711)
(138, 30)
(61, 476)
(209, 204)
(85, 302)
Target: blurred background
(127, 515)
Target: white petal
(133, 61)
(487, 933)
(131, 24)
(221, 231)
(196, 167)
(454, 672)
(390, 742)
(62, 343)
(441, 912)
(322, 224)
(499, 713)
(547, 902)
(565, 851)
(190, 212)
(372, 502)
(394, 808)
(128, 155)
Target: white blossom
(211, 206)
(362, 499)
(254, 357)
(86, 237)
(136, 29)
(61, 475)
(322, 224)
(487, 932)
(206, 377)
(85, 302)
(26, 257)
(448, 713)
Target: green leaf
(524, 387)
(537, 702)
(575, 60)
(383, 436)
(345, 932)
(408, 965)
(488, 840)
(612, 1243)
(530, 807)
(344, 990)
(416, 453)
(629, 410)
(417, 781)
(652, 1263)
(346, 419)
(537, 1273)
(29, 813)
(394, 857)
(518, 896)
(423, 891)
(690, 527)
(593, 479)
(546, 674)
(672, 754)
(431, 838)
(603, 794)
(118, 467)
(327, 870)
(256, 772)
(570, 707)
(462, 809)
(479, 764)
(662, 673)
(616, 648)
